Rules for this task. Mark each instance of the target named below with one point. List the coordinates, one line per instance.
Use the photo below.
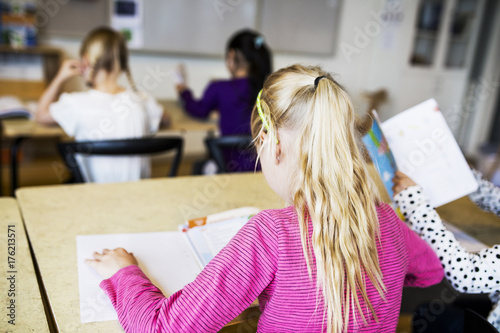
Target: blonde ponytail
(91, 78)
(333, 189)
(106, 49)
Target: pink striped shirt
(265, 260)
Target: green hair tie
(261, 114)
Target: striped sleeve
(227, 286)
(424, 268)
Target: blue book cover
(381, 154)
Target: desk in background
(192, 130)
(29, 311)
(55, 215)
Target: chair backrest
(216, 147)
(143, 146)
(473, 323)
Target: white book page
(209, 239)
(425, 150)
(165, 257)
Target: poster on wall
(127, 17)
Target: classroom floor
(47, 169)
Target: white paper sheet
(425, 150)
(165, 257)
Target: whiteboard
(195, 26)
(203, 27)
(300, 26)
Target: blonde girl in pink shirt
(335, 260)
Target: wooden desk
(29, 314)
(13, 128)
(192, 130)
(55, 215)
(464, 214)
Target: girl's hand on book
(401, 182)
(109, 262)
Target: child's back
(334, 261)
(248, 59)
(289, 301)
(265, 260)
(232, 98)
(107, 111)
(95, 116)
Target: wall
(370, 55)
(360, 62)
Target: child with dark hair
(248, 60)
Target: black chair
(243, 144)
(473, 323)
(143, 146)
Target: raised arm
(227, 286)
(467, 272)
(199, 108)
(68, 69)
(487, 196)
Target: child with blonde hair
(107, 111)
(335, 260)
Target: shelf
(29, 89)
(43, 50)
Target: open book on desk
(12, 107)
(423, 147)
(170, 259)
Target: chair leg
(176, 162)
(14, 149)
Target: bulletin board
(73, 18)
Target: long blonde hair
(106, 49)
(332, 187)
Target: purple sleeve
(202, 107)
(424, 268)
(226, 287)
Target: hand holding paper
(180, 75)
(401, 182)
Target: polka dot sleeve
(467, 272)
(487, 196)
